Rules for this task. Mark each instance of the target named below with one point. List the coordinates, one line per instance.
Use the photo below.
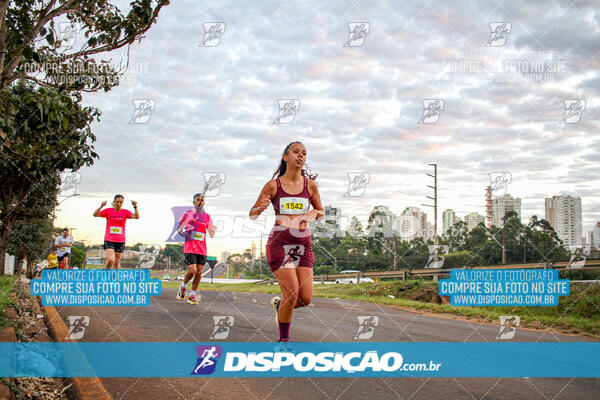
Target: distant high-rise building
(472, 220)
(448, 219)
(333, 215)
(329, 226)
(503, 204)
(594, 237)
(489, 213)
(355, 228)
(382, 220)
(563, 212)
(429, 232)
(412, 223)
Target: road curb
(86, 388)
(7, 334)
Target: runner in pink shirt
(194, 226)
(114, 236)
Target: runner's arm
(315, 199)
(136, 213)
(97, 212)
(211, 228)
(182, 223)
(264, 199)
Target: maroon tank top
(291, 204)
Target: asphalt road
(170, 320)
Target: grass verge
(578, 313)
(6, 286)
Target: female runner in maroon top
(289, 251)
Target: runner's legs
(197, 277)
(191, 273)
(117, 260)
(305, 286)
(110, 258)
(288, 282)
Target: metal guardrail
(436, 273)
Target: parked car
(179, 277)
(353, 280)
(167, 277)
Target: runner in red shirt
(114, 236)
(194, 226)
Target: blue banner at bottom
(301, 359)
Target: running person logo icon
(357, 183)
(499, 32)
(574, 108)
(77, 325)
(357, 34)
(207, 359)
(213, 31)
(293, 253)
(223, 324)
(287, 111)
(366, 326)
(432, 108)
(507, 326)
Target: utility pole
(395, 244)
(504, 239)
(260, 261)
(434, 198)
(252, 255)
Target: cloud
(359, 106)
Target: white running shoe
(275, 302)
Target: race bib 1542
(293, 205)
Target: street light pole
(434, 198)
(332, 256)
(260, 261)
(504, 239)
(395, 245)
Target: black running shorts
(191, 258)
(118, 247)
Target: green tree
(77, 255)
(237, 263)
(543, 242)
(47, 132)
(380, 223)
(175, 253)
(33, 42)
(33, 241)
(418, 254)
(351, 251)
(458, 259)
(456, 236)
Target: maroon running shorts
(289, 248)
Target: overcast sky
(359, 108)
